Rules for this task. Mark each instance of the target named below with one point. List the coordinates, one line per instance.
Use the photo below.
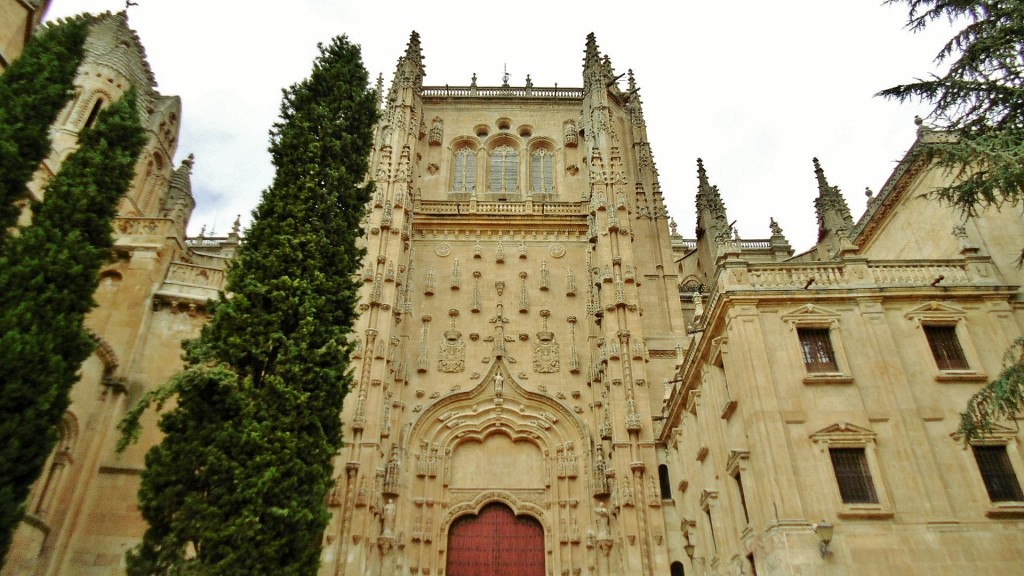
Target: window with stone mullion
(465, 171)
(542, 172)
(504, 174)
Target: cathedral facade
(549, 380)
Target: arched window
(676, 569)
(464, 171)
(542, 172)
(96, 107)
(666, 485)
(504, 176)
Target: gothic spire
(711, 215)
(833, 212)
(593, 69)
(409, 73)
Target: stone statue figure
(499, 383)
(602, 522)
(389, 519)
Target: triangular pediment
(810, 313)
(843, 432)
(935, 309)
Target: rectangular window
(997, 473)
(946, 347)
(819, 355)
(853, 475)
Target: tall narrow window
(743, 496)
(997, 473)
(711, 529)
(819, 356)
(666, 484)
(94, 113)
(465, 171)
(542, 172)
(853, 475)
(504, 176)
(945, 347)
(676, 569)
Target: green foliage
(1000, 399)
(979, 105)
(239, 483)
(978, 102)
(33, 91)
(48, 273)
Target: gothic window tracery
(542, 172)
(504, 169)
(464, 170)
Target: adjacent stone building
(550, 380)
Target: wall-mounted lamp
(824, 531)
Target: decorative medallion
(557, 250)
(443, 249)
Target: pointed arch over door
(495, 542)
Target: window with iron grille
(819, 356)
(946, 347)
(997, 473)
(465, 171)
(853, 475)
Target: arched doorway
(495, 542)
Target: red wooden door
(495, 543)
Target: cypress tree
(48, 273)
(32, 92)
(239, 483)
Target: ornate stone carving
(570, 283)
(392, 474)
(423, 361)
(436, 132)
(452, 354)
(574, 358)
(456, 275)
(545, 276)
(431, 282)
(556, 250)
(474, 305)
(545, 349)
(524, 296)
(443, 249)
(570, 135)
(499, 252)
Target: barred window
(946, 347)
(465, 171)
(819, 356)
(853, 475)
(542, 172)
(997, 473)
(504, 176)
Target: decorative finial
(529, 83)
(473, 80)
(237, 226)
(188, 162)
(868, 192)
(918, 120)
(129, 3)
(774, 226)
(505, 77)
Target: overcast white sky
(754, 88)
